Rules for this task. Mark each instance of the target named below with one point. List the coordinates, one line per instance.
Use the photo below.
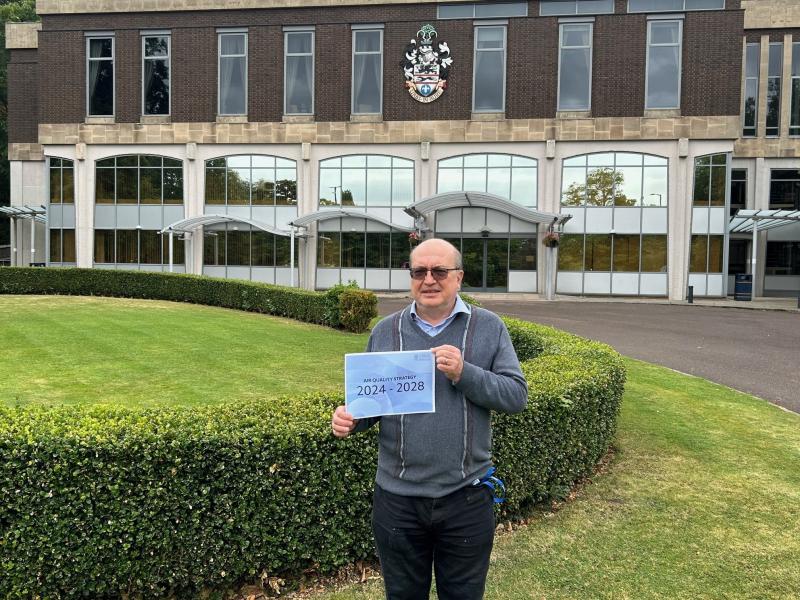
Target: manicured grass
(141, 352)
(701, 500)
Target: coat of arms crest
(426, 65)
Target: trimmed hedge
(303, 305)
(98, 501)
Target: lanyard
(495, 484)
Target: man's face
(429, 293)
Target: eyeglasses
(438, 273)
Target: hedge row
(323, 308)
(95, 502)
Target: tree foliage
(603, 187)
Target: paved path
(755, 351)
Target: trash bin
(743, 288)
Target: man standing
(429, 507)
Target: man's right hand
(342, 423)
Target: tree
(10, 11)
(603, 187)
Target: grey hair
(459, 261)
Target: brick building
(310, 142)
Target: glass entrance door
(485, 264)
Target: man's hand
(449, 361)
(342, 422)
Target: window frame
(312, 54)
(475, 5)
(113, 59)
(757, 78)
(679, 44)
(220, 34)
(794, 99)
(354, 52)
(576, 12)
(561, 27)
(779, 79)
(683, 9)
(475, 51)
(168, 36)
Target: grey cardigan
(432, 455)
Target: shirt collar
(460, 307)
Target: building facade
(312, 143)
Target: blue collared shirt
(432, 330)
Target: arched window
(366, 180)
(509, 176)
(256, 180)
(707, 249)
(620, 179)
(139, 179)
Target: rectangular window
(575, 66)
(367, 71)
(155, 74)
(100, 76)
(783, 258)
(489, 77)
(671, 5)
(329, 245)
(598, 252)
(522, 254)
(484, 10)
(738, 190)
(353, 250)
(299, 73)
(378, 250)
(549, 8)
(774, 73)
(104, 246)
(664, 64)
(214, 248)
(55, 245)
(626, 253)
(127, 246)
(654, 254)
(752, 66)
(784, 189)
(794, 118)
(232, 74)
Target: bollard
(690, 295)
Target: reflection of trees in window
(705, 254)
(619, 179)
(62, 245)
(619, 253)
(570, 252)
(244, 248)
(709, 180)
(131, 246)
(62, 181)
(359, 249)
(142, 179)
(255, 180)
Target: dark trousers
(454, 534)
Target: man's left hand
(449, 361)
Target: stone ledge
(767, 147)
(771, 14)
(25, 152)
(22, 35)
(395, 132)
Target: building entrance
(485, 264)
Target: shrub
(99, 501)
(294, 303)
(356, 309)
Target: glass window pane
(628, 159)
(55, 185)
(127, 246)
(263, 249)
(573, 186)
(104, 246)
(626, 253)
(450, 180)
(173, 186)
(239, 186)
(283, 257)
(156, 87)
(498, 182)
(753, 59)
(475, 160)
(354, 187)
(367, 82)
(104, 186)
(455, 162)
(353, 249)
(402, 187)
(330, 182)
(232, 43)
(600, 187)
(239, 248)
(378, 250)
(628, 186)
(598, 252)
(775, 68)
(551, 8)
(68, 245)
(286, 187)
(654, 254)
(522, 254)
(717, 192)
(232, 85)
(401, 248)
(299, 42)
(649, 159)
(698, 254)
(715, 243)
(702, 177)
(600, 159)
(654, 5)
(595, 7)
(575, 73)
(299, 84)
(101, 47)
(490, 37)
(263, 187)
(101, 87)
(570, 253)
(654, 191)
(328, 249)
(215, 186)
(127, 186)
(576, 35)
(501, 9)
(151, 186)
(379, 187)
(178, 250)
(523, 187)
(55, 245)
(368, 41)
(455, 11)
(151, 248)
(499, 160)
(68, 185)
(475, 180)
(663, 77)
(489, 81)
(666, 32)
(214, 248)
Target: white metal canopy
(744, 221)
(483, 200)
(35, 215)
(324, 215)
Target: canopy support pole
(291, 257)
(33, 241)
(754, 259)
(13, 257)
(171, 248)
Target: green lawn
(142, 352)
(702, 500)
